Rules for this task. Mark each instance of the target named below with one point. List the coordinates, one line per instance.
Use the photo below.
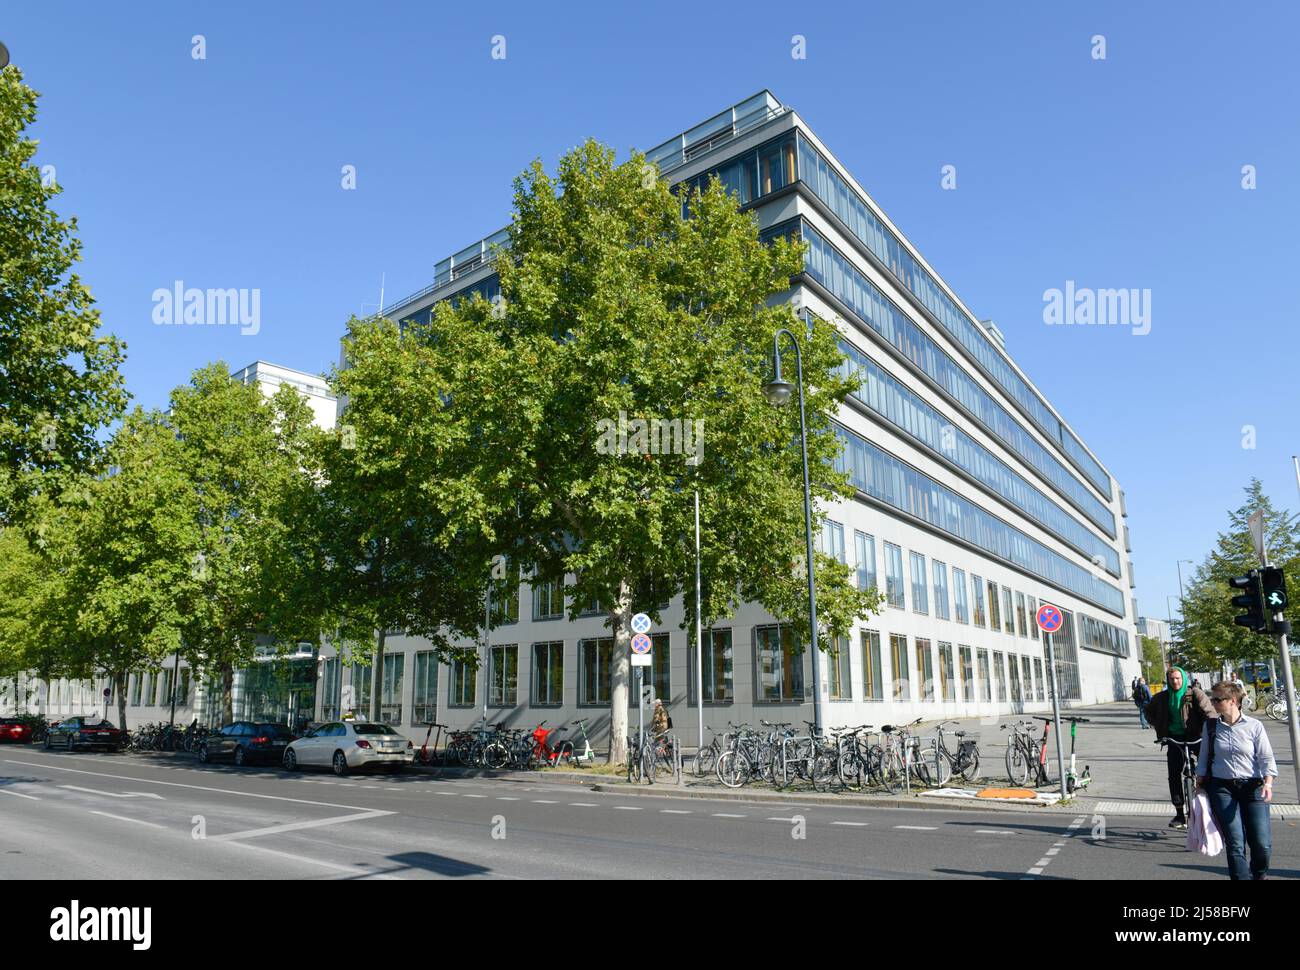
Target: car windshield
(373, 729)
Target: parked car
(15, 730)
(347, 745)
(85, 731)
(245, 742)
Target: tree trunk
(620, 671)
(119, 687)
(377, 676)
(227, 693)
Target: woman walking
(1236, 771)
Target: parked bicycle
(1025, 753)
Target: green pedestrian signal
(1272, 584)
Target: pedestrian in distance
(1141, 697)
(1236, 771)
(1179, 713)
(659, 721)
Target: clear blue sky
(1126, 172)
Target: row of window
(887, 396)
(943, 680)
(149, 688)
(889, 480)
(829, 267)
(857, 216)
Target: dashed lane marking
(727, 815)
(506, 798)
(6, 791)
(544, 801)
(675, 811)
(994, 832)
(917, 828)
(294, 826)
(859, 824)
(123, 818)
(628, 808)
(584, 804)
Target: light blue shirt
(1241, 750)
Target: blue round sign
(1049, 618)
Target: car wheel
(240, 757)
(203, 754)
(291, 760)
(47, 742)
(67, 745)
(340, 764)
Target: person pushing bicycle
(1178, 713)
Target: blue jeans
(1142, 713)
(1242, 815)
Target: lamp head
(777, 391)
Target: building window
(940, 589)
(898, 667)
(840, 682)
(165, 686)
(780, 665)
(183, 694)
(1039, 690)
(548, 673)
(135, 690)
(967, 673)
(872, 685)
(1026, 668)
(832, 540)
(716, 667)
(920, 594)
(424, 698)
(361, 689)
(1000, 674)
(660, 654)
(960, 602)
(986, 683)
(894, 575)
(1013, 669)
(503, 676)
(977, 589)
(390, 695)
(548, 599)
(464, 684)
(925, 668)
(947, 687)
(596, 656)
(505, 602)
(995, 616)
(332, 690)
(1008, 612)
(1021, 628)
(865, 547)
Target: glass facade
(464, 685)
(839, 680)
(925, 668)
(424, 696)
(894, 576)
(967, 673)
(960, 602)
(977, 587)
(940, 589)
(825, 265)
(908, 411)
(390, 697)
(503, 669)
(1000, 676)
(865, 550)
(872, 685)
(898, 667)
(986, 684)
(861, 221)
(595, 672)
(947, 685)
(1008, 611)
(716, 667)
(831, 540)
(889, 480)
(779, 665)
(548, 673)
(920, 595)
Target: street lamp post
(777, 392)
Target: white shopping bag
(1203, 834)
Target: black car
(245, 742)
(81, 731)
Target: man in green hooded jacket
(1178, 712)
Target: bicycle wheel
(633, 764)
(649, 756)
(496, 755)
(970, 769)
(733, 769)
(706, 759)
(825, 771)
(850, 769)
(944, 768)
(1017, 764)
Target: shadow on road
(440, 865)
(992, 874)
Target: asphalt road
(105, 816)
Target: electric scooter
(1074, 781)
(568, 753)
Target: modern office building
(976, 502)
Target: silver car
(346, 745)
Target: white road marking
(1053, 851)
(778, 818)
(1036, 872)
(111, 794)
(292, 826)
(1043, 862)
(506, 798)
(917, 828)
(123, 818)
(543, 801)
(471, 795)
(727, 815)
(584, 804)
(177, 784)
(445, 793)
(675, 811)
(6, 791)
(851, 823)
(351, 870)
(994, 832)
(628, 808)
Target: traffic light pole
(1292, 718)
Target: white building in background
(976, 502)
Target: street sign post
(641, 623)
(1050, 619)
(641, 659)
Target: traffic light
(1273, 589)
(1250, 600)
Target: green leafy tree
(59, 379)
(22, 572)
(386, 554)
(1153, 665)
(245, 458)
(121, 584)
(616, 307)
(1210, 637)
